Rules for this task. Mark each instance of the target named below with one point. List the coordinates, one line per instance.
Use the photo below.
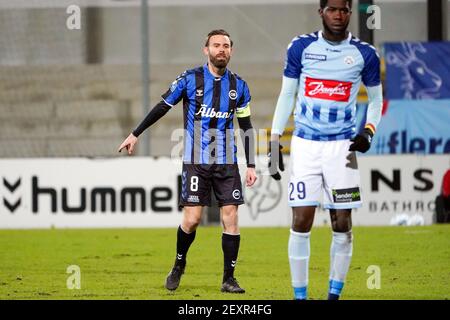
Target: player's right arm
(154, 115)
(169, 99)
(284, 107)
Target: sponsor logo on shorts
(193, 199)
(312, 56)
(346, 195)
(328, 89)
(236, 194)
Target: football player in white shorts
(322, 75)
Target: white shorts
(323, 168)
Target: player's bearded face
(219, 51)
(220, 60)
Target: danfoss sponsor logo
(328, 89)
(211, 113)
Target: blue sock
(300, 293)
(335, 289)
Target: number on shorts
(194, 183)
(301, 191)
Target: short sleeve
(176, 90)
(371, 71)
(293, 63)
(245, 97)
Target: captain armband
(243, 112)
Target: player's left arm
(374, 109)
(248, 138)
(371, 79)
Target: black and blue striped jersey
(209, 106)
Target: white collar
(336, 43)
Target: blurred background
(69, 90)
(80, 92)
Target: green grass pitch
(133, 263)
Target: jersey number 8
(194, 183)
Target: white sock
(299, 252)
(340, 256)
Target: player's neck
(216, 72)
(327, 35)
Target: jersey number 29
(300, 190)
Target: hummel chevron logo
(11, 187)
(233, 263)
(12, 207)
(179, 256)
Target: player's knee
(301, 223)
(341, 220)
(301, 227)
(341, 225)
(229, 212)
(230, 220)
(191, 223)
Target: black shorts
(197, 180)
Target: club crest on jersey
(313, 56)
(328, 89)
(349, 60)
(211, 113)
(232, 94)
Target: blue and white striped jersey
(329, 78)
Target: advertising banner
(417, 127)
(417, 70)
(143, 192)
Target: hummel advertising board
(144, 192)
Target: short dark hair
(215, 33)
(323, 3)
